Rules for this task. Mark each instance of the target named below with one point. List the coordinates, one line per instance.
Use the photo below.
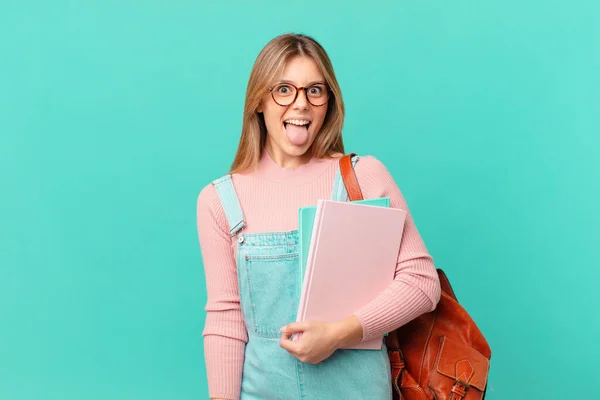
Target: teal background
(115, 114)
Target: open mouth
(295, 122)
(296, 131)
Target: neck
(285, 160)
(305, 171)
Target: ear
(259, 108)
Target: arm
(416, 288)
(224, 332)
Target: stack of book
(348, 255)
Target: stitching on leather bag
(486, 377)
(433, 393)
(415, 387)
(426, 345)
(439, 354)
(418, 389)
(464, 379)
(437, 361)
(397, 385)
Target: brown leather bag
(439, 355)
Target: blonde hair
(269, 64)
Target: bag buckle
(396, 358)
(460, 388)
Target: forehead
(301, 70)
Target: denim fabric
(231, 205)
(269, 284)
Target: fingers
(292, 346)
(298, 350)
(294, 327)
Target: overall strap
(230, 202)
(339, 192)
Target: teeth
(297, 122)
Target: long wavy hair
(269, 65)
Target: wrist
(347, 332)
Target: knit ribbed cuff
(224, 363)
(390, 310)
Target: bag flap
(460, 361)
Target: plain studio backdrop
(115, 114)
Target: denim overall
(269, 285)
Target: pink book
(351, 260)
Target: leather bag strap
(349, 178)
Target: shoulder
(207, 193)
(370, 161)
(371, 168)
(375, 180)
(208, 202)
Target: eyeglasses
(285, 94)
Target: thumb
(294, 327)
(292, 346)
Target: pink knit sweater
(270, 197)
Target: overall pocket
(270, 291)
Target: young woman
(287, 158)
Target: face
(292, 129)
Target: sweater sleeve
(225, 334)
(416, 288)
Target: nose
(301, 102)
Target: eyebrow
(293, 83)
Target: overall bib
(269, 284)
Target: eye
(316, 90)
(283, 90)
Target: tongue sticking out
(297, 135)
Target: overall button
(241, 239)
